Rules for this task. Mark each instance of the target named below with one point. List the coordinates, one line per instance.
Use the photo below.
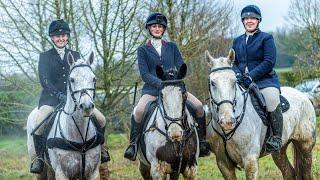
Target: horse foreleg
(190, 172)
(59, 174)
(251, 167)
(226, 168)
(160, 169)
(95, 175)
(283, 163)
(144, 171)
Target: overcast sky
(273, 12)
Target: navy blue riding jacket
(259, 55)
(53, 75)
(148, 59)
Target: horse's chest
(174, 154)
(70, 162)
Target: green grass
(280, 70)
(14, 163)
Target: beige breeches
(44, 111)
(146, 98)
(272, 97)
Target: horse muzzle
(175, 132)
(86, 109)
(227, 125)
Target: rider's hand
(62, 97)
(246, 81)
(239, 77)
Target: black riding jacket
(53, 74)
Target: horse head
(81, 84)
(172, 100)
(222, 88)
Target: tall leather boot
(131, 151)
(203, 143)
(39, 145)
(105, 157)
(273, 144)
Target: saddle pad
(150, 107)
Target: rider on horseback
(53, 73)
(254, 61)
(157, 51)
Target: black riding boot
(39, 145)
(276, 120)
(105, 157)
(203, 143)
(131, 151)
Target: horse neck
(250, 115)
(74, 119)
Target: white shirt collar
(61, 51)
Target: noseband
(82, 91)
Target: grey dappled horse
(232, 112)
(170, 137)
(73, 125)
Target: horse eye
(72, 80)
(212, 83)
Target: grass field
(14, 163)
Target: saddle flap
(285, 105)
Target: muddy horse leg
(251, 167)
(303, 159)
(283, 163)
(226, 168)
(145, 171)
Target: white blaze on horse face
(222, 87)
(83, 78)
(172, 103)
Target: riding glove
(246, 81)
(62, 97)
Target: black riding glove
(62, 97)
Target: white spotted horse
(236, 132)
(73, 135)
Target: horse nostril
(81, 106)
(92, 106)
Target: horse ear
(70, 58)
(231, 56)
(182, 71)
(208, 58)
(91, 57)
(159, 72)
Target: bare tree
(107, 27)
(304, 15)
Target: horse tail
(297, 161)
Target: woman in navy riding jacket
(255, 60)
(53, 74)
(155, 52)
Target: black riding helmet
(59, 27)
(251, 11)
(156, 18)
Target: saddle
(258, 102)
